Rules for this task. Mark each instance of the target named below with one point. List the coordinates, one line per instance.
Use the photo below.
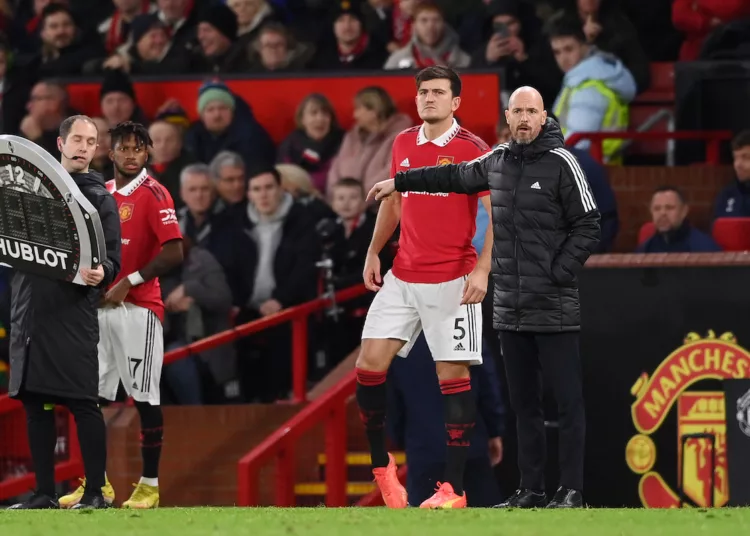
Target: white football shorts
(401, 310)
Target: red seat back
(646, 232)
(732, 234)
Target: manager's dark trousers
(555, 357)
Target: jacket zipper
(515, 252)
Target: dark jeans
(528, 358)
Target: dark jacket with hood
(545, 222)
(54, 324)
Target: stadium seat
(646, 232)
(732, 234)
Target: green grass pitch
(376, 522)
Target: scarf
(119, 29)
(359, 48)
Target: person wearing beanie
(354, 48)
(218, 50)
(117, 97)
(227, 123)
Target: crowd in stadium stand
(258, 217)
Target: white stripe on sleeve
(587, 198)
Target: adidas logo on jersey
(459, 348)
(405, 162)
(536, 186)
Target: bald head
(525, 115)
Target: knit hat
(221, 17)
(116, 81)
(214, 90)
(504, 7)
(142, 24)
(174, 115)
(348, 7)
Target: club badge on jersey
(47, 226)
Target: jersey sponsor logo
(168, 216)
(125, 241)
(126, 211)
(431, 194)
(444, 160)
(699, 358)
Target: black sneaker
(524, 498)
(566, 498)
(38, 501)
(91, 502)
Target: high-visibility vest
(616, 118)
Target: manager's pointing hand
(381, 190)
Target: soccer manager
(545, 224)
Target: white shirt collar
(440, 141)
(133, 185)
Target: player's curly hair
(126, 129)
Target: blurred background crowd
(259, 218)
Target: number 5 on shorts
(460, 332)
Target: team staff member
(54, 334)
(546, 224)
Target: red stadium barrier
(274, 100)
(713, 139)
(15, 464)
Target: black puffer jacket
(545, 221)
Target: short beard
(522, 142)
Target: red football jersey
(436, 229)
(147, 220)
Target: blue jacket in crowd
(686, 239)
(415, 406)
(733, 201)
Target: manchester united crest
(126, 212)
(444, 160)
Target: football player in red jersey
(131, 343)
(437, 285)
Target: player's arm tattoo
(168, 258)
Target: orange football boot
(394, 494)
(445, 497)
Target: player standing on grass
(131, 342)
(436, 285)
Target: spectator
(597, 87)
(47, 107)
(115, 31)
(202, 222)
(698, 18)
(15, 87)
(674, 234)
(168, 156)
(283, 252)
(415, 423)
(366, 150)
(734, 200)
(315, 141)
(252, 15)
(64, 51)
(179, 16)
(609, 29)
(298, 182)
(228, 173)
(403, 19)
(502, 131)
(148, 51)
(218, 50)
(117, 98)
(102, 162)
(517, 47)
(378, 17)
(226, 123)
(353, 48)
(433, 43)
(198, 302)
(275, 49)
